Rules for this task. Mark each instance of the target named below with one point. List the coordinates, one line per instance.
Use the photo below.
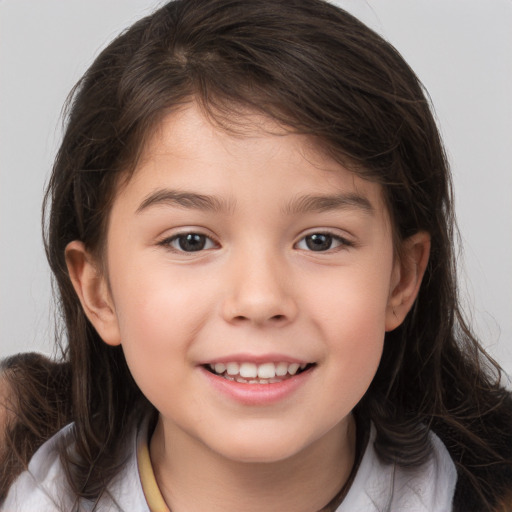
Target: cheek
(356, 343)
(153, 299)
(350, 315)
(158, 315)
(352, 301)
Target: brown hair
(318, 71)
(35, 402)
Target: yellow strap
(152, 493)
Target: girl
(250, 226)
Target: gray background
(461, 50)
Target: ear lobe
(407, 277)
(92, 290)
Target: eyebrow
(301, 204)
(183, 199)
(324, 203)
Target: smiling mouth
(251, 373)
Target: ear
(407, 276)
(92, 289)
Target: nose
(259, 292)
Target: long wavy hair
(318, 71)
(35, 399)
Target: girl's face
(250, 281)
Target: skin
(255, 289)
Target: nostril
(276, 318)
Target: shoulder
(381, 487)
(44, 486)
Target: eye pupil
(192, 242)
(319, 242)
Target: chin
(259, 449)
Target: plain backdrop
(460, 49)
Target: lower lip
(257, 394)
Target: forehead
(245, 155)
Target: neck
(193, 478)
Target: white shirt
(377, 487)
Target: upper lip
(256, 359)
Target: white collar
(379, 487)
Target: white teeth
(250, 373)
(292, 369)
(267, 371)
(232, 368)
(220, 368)
(248, 370)
(281, 369)
(252, 381)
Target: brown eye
(192, 242)
(322, 242)
(189, 242)
(319, 242)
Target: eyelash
(341, 241)
(209, 243)
(168, 242)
